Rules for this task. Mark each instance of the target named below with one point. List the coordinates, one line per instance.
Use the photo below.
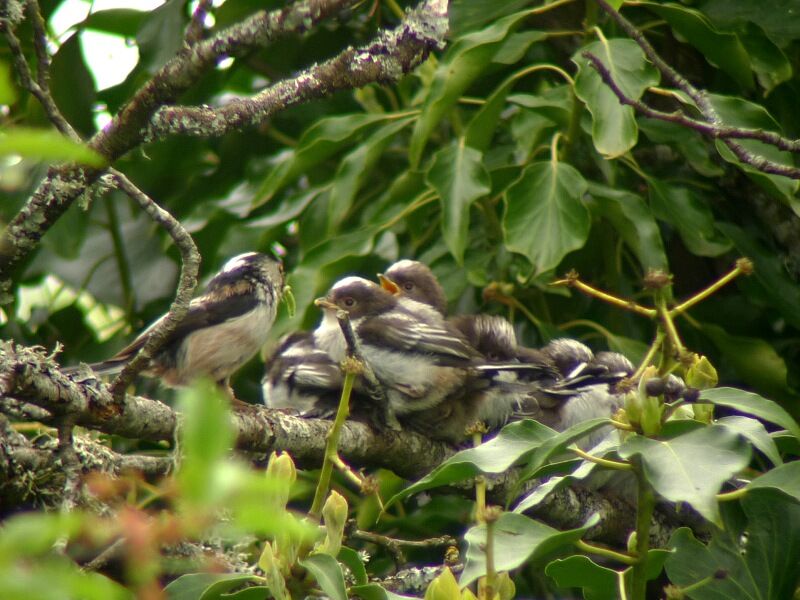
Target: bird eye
(408, 286)
(349, 302)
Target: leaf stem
(743, 267)
(588, 548)
(572, 280)
(603, 462)
(734, 495)
(644, 513)
(331, 447)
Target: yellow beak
(389, 285)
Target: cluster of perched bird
(431, 373)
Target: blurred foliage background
(502, 162)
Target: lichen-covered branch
(715, 127)
(30, 376)
(64, 184)
(385, 60)
(190, 266)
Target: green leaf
(320, 141)
(545, 217)
(72, 86)
(723, 50)
(614, 129)
(31, 534)
(775, 17)
(517, 539)
(207, 435)
(771, 65)
(631, 217)
(752, 404)
(161, 36)
(692, 467)
(459, 177)
(205, 586)
(355, 168)
(373, 591)
(754, 558)
(785, 479)
(47, 144)
(464, 61)
(690, 215)
(351, 559)
(8, 94)
(494, 456)
(755, 432)
(328, 574)
(770, 275)
(690, 143)
(594, 581)
(257, 592)
(124, 22)
(754, 360)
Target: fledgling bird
(224, 327)
(566, 383)
(427, 369)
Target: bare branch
(190, 266)
(715, 127)
(196, 28)
(385, 60)
(64, 184)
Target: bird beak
(325, 304)
(389, 285)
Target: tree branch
(64, 184)
(385, 60)
(715, 127)
(190, 266)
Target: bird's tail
(105, 367)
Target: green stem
(734, 495)
(603, 462)
(331, 447)
(491, 573)
(702, 295)
(588, 548)
(651, 354)
(644, 514)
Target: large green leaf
(207, 436)
(8, 95)
(778, 18)
(161, 35)
(690, 143)
(754, 432)
(690, 215)
(72, 86)
(465, 60)
(517, 539)
(770, 275)
(47, 144)
(595, 581)
(738, 112)
(320, 141)
(752, 404)
(754, 360)
(458, 175)
(545, 216)
(355, 168)
(692, 467)
(205, 586)
(753, 558)
(631, 217)
(771, 65)
(328, 574)
(614, 129)
(124, 22)
(373, 591)
(785, 479)
(721, 49)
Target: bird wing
(202, 313)
(403, 333)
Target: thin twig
(700, 99)
(190, 266)
(196, 27)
